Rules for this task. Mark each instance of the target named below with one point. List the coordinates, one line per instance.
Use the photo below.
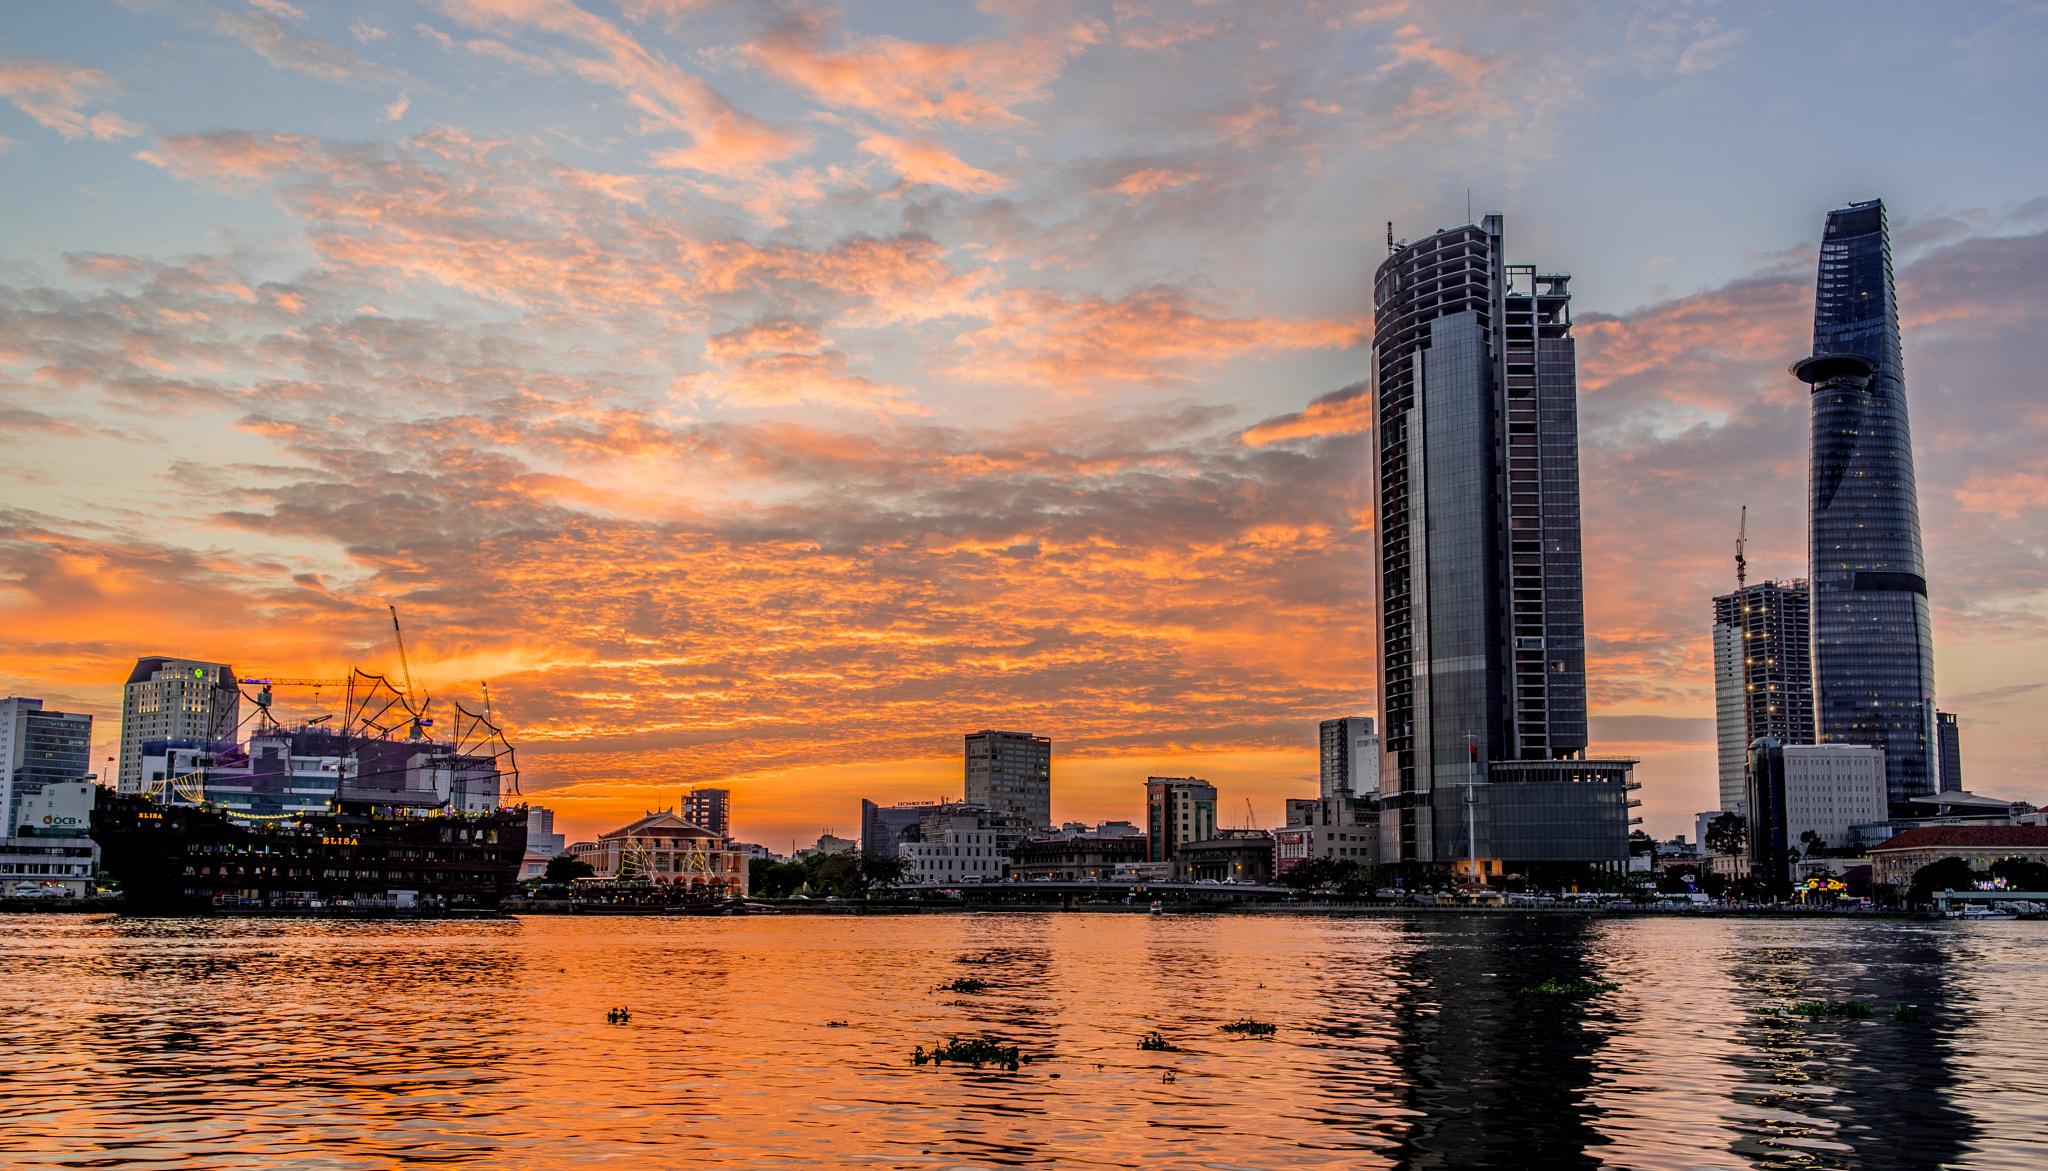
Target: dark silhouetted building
(1011, 773)
(1873, 648)
(1950, 734)
(1763, 676)
(1482, 652)
(885, 827)
(709, 809)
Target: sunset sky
(767, 394)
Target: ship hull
(173, 859)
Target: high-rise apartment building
(1763, 676)
(1011, 772)
(38, 747)
(1350, 757)
(1949, 734)
(178, 700)
(1482, 652)
(1178, 810)
(1873, 647)
(709, 809)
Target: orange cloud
(1341, 412)
(54, 92)
(917, 84)
(926, 162)
(1150, 337)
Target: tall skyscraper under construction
(1482, 626)
(1873, 647)
(1763, 676)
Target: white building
(1832, 787)
(1350, 757)
(542, 843)
(170, 699)
(964, 843)
(53, 855)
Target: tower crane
(1741, 562)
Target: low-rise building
(1336, 827)
(1897, 860)
(664, 849)
(1233, 855)
(1143, 872)
(964, 843)
(830, 843)
(1083, 858)
(52, 854)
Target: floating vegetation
(619, 1016)
(1167, 1077)
(965, 984)
(1251, 1028)
(986, 958)
(835, 1024)
(977, 1053)
(1846, 1010)
(1573, 988)
(1905, 1012)
(1154, 1043)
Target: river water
(1402, 1041)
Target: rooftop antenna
(1741, 562)
(1390, 237)
(1468, 205)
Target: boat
(1158, 908)
(379, 814)
(1977, 912)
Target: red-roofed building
(1896, 860)
(663, 848)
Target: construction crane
(404, 664)
(1251, 820)
(1741, 562)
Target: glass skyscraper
(1873, 648)
(1482, 653)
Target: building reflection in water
(1865, 1094)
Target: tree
(1642, 843)
(567, 868)
(1317, 873)
(775, 880)
(1728, 835)
(881, 869)
(1813, 844)
(1945, 874)
(2020, 874)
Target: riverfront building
(1330, 827)
(1949, 737)
(1080, 857)
(884, 829)
(38, 748)
(965, 843)
(1763, 676)
(1873, 647)
(1482, 660)
(1178, 810)
(1011, 772)
(1350, 757)
(175, 700)
(663, 848)
(1896, 859)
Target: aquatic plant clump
(1905, 1012)
(977, 1053)
(1847, 1010)
(1154, 1043)
(1571, 988)
(1250, 1028)
(964, 984)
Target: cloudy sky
(766, 394)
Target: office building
(542, 843)
(1482, 660)
(38, 747)
(965, 843)
(1011, 772)
(178, 700)
(885, 828)
(1350, 757)
(1831, 788)
(1083, 857)
(1873, 648)
(1331, 827)
(709, 808)
(1949, 737)
(1178, 810)
(1763, 676)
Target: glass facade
(1873, 646)
(1482, 650)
